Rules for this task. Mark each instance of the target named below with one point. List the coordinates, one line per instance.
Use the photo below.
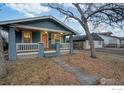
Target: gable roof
(106, 33)
(37, 18)
(110, 36)
(84, 37)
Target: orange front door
(44, 39)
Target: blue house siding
(46, 23)
(18, 37)
(36, 37)
(64, 39)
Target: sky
(12, 11)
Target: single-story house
(25, 34)
(110, 41)
(82, 42)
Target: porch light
(46, 32)
(61, 33)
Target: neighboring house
(25, 34)
(110, 41)
(82, 42)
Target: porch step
(50, 54)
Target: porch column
(58, 49)
(12, 44)
(71, 43)
(40, 49)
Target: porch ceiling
(37, 29)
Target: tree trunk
(90, 38)
(3, 71)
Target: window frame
(23, 36)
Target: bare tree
(3, 71)
(110, 14)
(2, 64)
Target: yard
(37, 72)
(46, 72)
(109, 66)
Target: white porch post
(12, 44)
(71, 43)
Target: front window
(55, 38)
(26, 37)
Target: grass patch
(37, 72)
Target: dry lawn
(45, 72)
(37, 72)
(109, 66)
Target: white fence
(64, 46)
(25, 47)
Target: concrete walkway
(83, 77)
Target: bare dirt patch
(37, 72)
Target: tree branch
(69, 14)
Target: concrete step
(50, 54)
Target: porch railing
(25, 47)
(64, 46)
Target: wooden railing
(25, 47)
(64, 46)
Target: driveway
(119, 51)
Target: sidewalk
(83, 77)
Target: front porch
(36, 35)
(38, 43)
(47, 37)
